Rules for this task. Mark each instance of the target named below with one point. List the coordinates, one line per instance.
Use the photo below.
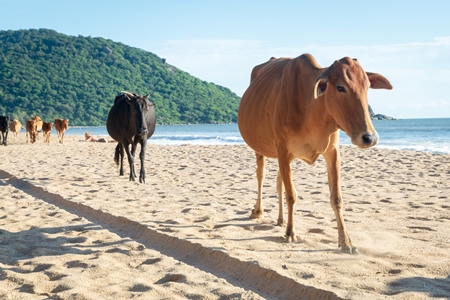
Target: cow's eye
(340, 88)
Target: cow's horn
(127, 93)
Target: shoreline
(395, 205)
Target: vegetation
(53, 75)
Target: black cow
(131, 120)
(4, 128)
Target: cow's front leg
(332, 158)
(260, 170)
(284, 163)
(142, 158)
(130, 161)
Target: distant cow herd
(34, 126)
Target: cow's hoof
(350, 250)
(290, 236)
(291, 239)
(281, 222)
(256, 214)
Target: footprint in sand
(316, 230)
(55, 276)
(42, 267)
(420, 228)
(263, 227)
(203, 219)
(151, 261)
(61, 288)
(172, 278)
(140, 288)
(76, 264)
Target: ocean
(426, 135)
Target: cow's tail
(117, 154)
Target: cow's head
(344, 86)
(140, 106)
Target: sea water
(427, 135)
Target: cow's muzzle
(365, 140)
(142, 132)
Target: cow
(39, 123)
(15, 126)
(131, 120)
(4, 128)
(30, 127)
(47, 129)
(61, 127)
(293, 108)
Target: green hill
(53, 75)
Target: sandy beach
(72, 228)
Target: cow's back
(277, 87)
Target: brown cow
(15, 126)
(31, 130)
(39, 123)
(61, 126)
(47, 129)
(293, 108)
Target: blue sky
(221, 41)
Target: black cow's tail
(117, 154)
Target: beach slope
(72, 228)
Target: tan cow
(39, 123)
(15, 126)
(31, 130)
(293, 108)
(47, 129)
(61, 126)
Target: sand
(72, 228)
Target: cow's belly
(260, 143)
(262, 140)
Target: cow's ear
(378, 81)
(321, 84)
(320, 87)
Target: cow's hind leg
(260, 165)
(118, 157)
(280, 188)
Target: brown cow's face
(346, 99)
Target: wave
(195, 139)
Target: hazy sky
(221, 41)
